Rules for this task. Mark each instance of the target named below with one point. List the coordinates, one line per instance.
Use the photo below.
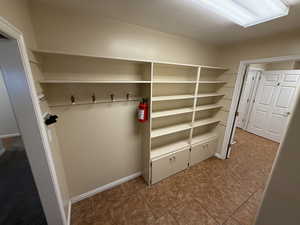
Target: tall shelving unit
(184, 101)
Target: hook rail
(96, 102)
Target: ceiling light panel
(247, 12)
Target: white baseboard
(219, 156)
(69, 213)
(104, 187)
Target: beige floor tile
(213, 192)
(246, 214)
(192, 213)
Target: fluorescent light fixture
(247, 12)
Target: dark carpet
(19, 200)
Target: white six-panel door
(274, 100)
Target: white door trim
(30, 122)
(225, 151)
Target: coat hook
(112, 97)
(94, 98)
(72, 99)
(128, 96)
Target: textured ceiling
(182, 17)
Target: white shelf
(166, 149)
(203, 137)
(206, 95)
(211, 82)
(172, 97)
(214, 68)
(205, 122)
(94, 82)
(171, 112)
(207, 107)
(169, 130)
(174, 82)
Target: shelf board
(94, 82)
(166, 149)
(203, 137)
(169, 130)
(171, 112)
(207, 107)
(211, 82)
(174, 82)
(214, 68)
(172, 97)
(206, 95)
(205, 122)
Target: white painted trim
(69, 213)
(10, 135)
(237, 91)
(50, 212)
(219, 156)
(105, 187)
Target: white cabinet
(167, 165)
(203, 151)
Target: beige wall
(277, 45)
(69, 31)
(17, 13)
(109, 146)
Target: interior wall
(7, 119)
(74, 32)
(283, 44)
(77, 32)
(17, 13)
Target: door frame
(252, 94)
(19, 82)
(231, 122)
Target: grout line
(232, 218)
(242, 204)
(207, 211)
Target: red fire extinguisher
(143, 111)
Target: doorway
(265, 95)
(24, 143)
(20, 202)
(267, 100)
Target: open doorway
(29, 192)
(20, 201)
(265, 96)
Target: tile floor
(214, 192)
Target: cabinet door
(180, 160)
(212, 147)
(203, 151)
(161, 168)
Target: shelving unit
(169, 148)
(183, 99)
(170, 130)
(203, 137)
(172, 97)
(199, 123)
(94, 82)
(171, 112)
(200, 100)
